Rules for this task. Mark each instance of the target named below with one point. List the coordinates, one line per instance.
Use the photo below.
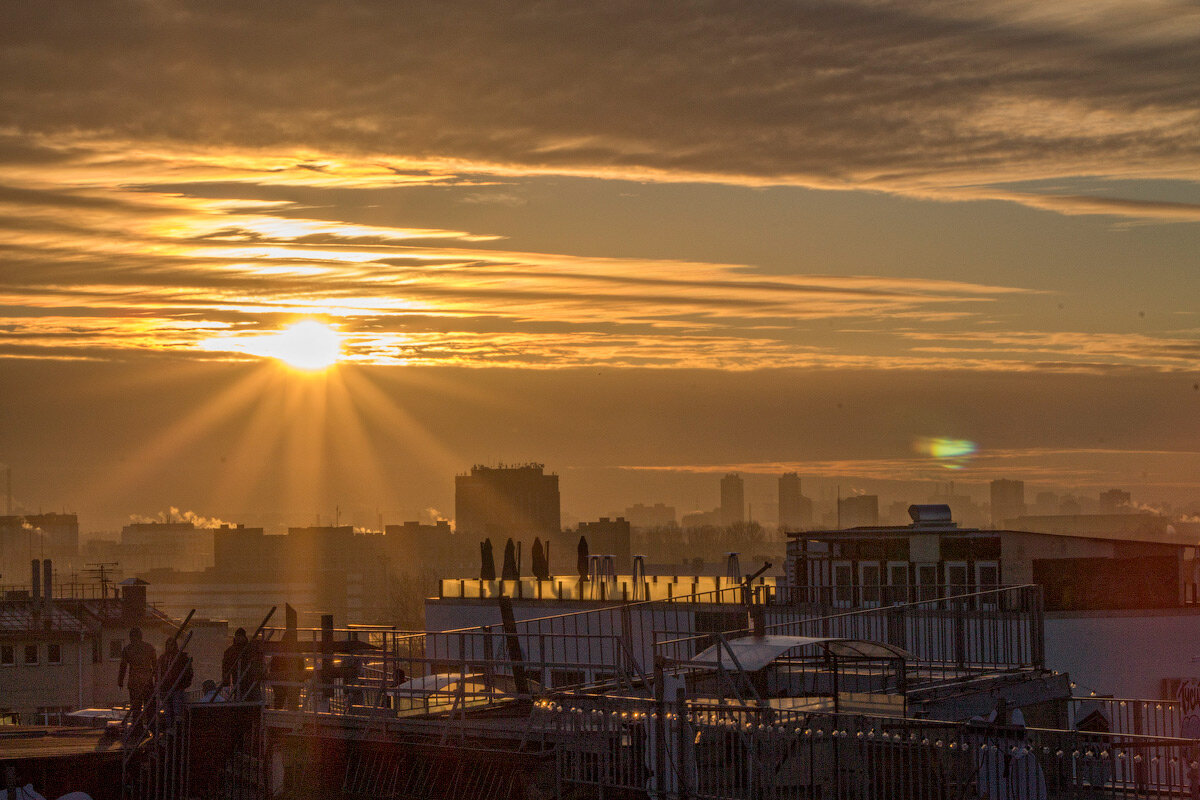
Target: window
(31, 654)
(927, 578)
(869, 578)
(843, 583)
(8, 655)
(987, 578)
(898, 581)
(114, 650)
(53, 653)
(956, 578)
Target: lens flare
(952, 453)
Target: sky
(641, 243)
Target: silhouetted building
(242, 546)
(507, 501)
(858, 510)
(795, 510)
(733, 499)
(1008, 500)
(1086, 562)
(609, 537)
(321, 547)
(415, 548)
(656, 516)
(318, 570)
(1115, 501)
(161, 545)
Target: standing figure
(174, 676)
(138, 660)
(242, 668)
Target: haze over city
(642, 245)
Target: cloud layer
(136, 139)
(916, 97)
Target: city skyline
(252, 262)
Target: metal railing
(873, 595)
(992, 630)
(681, 749)
(1128, 715)
(995, 630)
(375, 672)
(619, 589)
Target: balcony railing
(999, 629)
(702, 750)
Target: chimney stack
(133, 601)
(36, 583)
(47, 584)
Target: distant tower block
(795, 510)
(1008, 501)
(733, 499)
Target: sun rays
(307, 439)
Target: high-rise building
(858, 511)
(1008, 500)
(733, 499)
(507, 501)
(795, 510)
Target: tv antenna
(101, 570)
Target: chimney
(133, 600)
(47, 584)
(36, 583)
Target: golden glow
(309, 346)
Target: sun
(309, 346)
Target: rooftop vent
(933, 515)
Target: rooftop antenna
(101, 570)
(8, 505)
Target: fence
(995, 630)
(1127, 715)
(373, 668)
(683, 749)
(879, 594)
(617, 588)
